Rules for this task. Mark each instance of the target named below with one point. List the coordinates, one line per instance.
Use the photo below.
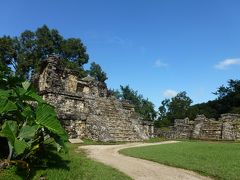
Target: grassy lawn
(154, 140)
(91, 142)
(219, 160)
(74, 165)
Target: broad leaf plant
(26, 120)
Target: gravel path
(137, 168)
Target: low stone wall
(225, 128)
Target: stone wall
(84, 108)
(225, 128)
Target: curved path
(137, 168)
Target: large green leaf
(4, 93)
(60, 144)
(20, 146)
(28, 132)
(31, 95)
(46, 117)
(28, 114)
(6, 105)
(9, 130)
(3, 102)
(20, 91)
(26, 85)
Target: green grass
(154, 140)
(74, 165)
(219, 160)
(10, 174)
(91, 142)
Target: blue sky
(158, 47)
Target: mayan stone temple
(85, 108)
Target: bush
(26, 121)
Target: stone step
(127, 139)
(119, 131)
(111, 110)
(115, 125)
(123, 134)
(113, 115)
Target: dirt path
(137, 168)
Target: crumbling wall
(84, 108)
(225, 128)
(183, 128)
(230, 126)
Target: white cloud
(160, 64)
(169, 93)
(227, 62)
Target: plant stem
(10, 151)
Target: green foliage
(174, 108)
(25, 52)
(46, 117)
(97, 72)
(179, 105)
(74, 50)
(26, 121)
(147, 110)
(7, 51)
(132, 96)
(115, 92)
(218, 160)
(142, 106)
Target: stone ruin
(85, 108)
(227, 127)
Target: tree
(27, 57)
(147, 110)
(25, 52)
(227, 101)
(97, 72)
(174, 108)
(228, 97)
(7, 51)
(179, 105)
(115, 93)
(163, 108)
(144, 107)
(233, 88)
(131, 96)
(74, 51)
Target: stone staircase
(115, 120)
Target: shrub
(26, 121)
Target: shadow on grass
(48, 159)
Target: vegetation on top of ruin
(142, 106)
(97, 72)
